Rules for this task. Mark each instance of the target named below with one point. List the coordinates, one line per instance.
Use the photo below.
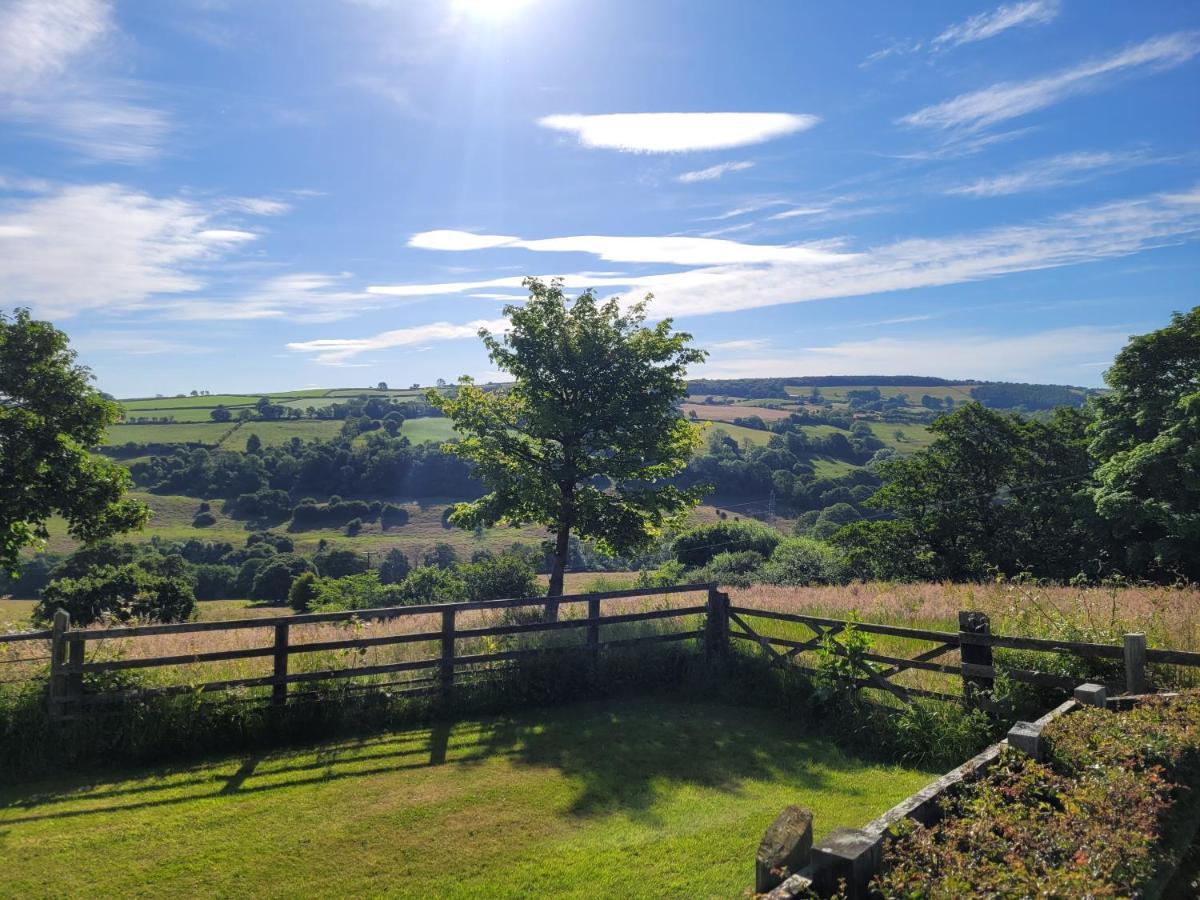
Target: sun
(491, 10)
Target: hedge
(1093, 821)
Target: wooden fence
(974, 643)
(717, 620)
(69, 663)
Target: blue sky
(270, 195)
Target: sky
(233, 196)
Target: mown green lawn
(641, 798)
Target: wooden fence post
(716, 631)
(974, 623)
(447, 667)
(58, 650)
(74, 685)
(593, 631)
(1135, 663)
(279, 689)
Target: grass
(276, 433)
(172, 433)
(426, 429)
(740, 433)
(640, 798)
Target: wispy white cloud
(260, 206)
(336, 351)
(989, 24)
(979, 27)
(1065, 168)
(106, 246)
(712, 173)
(1065, 355)
(134, 343)
(678, 132)
(759, 275)
(54, 83)
(896, 320)
(681, 251)
(746, 344)
(1008, 100)
(309, 297)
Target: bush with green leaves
(273, 581)
(499, 578)
(362, 591)
(303, 592)
(429, 584)
(124, 593)
(698, 546)
(803, 561)
(1094, 821)
(740, 569)
(395, 567)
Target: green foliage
(1091, 823)
(441, 555)
(1146, 438)
(698, 546)
(304, 592)
(993, 491)
(741, 569)
(587, 436)
(273, 581)
(499, 578)
(123, 593)
(802, 561)
(429, 584)
(50, 418)
(361, 591)
(841, 662)
(395, 567)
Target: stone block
(1026, 737)
(1091, 695)
(784, 848)
(850, 855)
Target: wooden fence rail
(717, 621)
(69, 665)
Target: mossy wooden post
(447, 667)
(593, 633)
(1135, 663)
(279, 688)
(716, 631)
(969, 625)
(58, 651)
(74, 685)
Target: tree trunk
(561, 546)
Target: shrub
(214, 581)
(495, 579)
(441, 555)
(303, 592)
(354, 527)
(125, 593)
(362, 591)
(802, 561)
(1091, 822)
(204, 520)
(742, 568)
(698, 546)
(429, 584)
(394, 567)
(339, 563)
(392, 515)
(273, 581)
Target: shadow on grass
(621, 755)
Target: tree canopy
(1146, 438)
(50, 418)
(588, 435)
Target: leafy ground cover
(1096, 820)
(645, 798)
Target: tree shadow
(622, 755)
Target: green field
(428, 429)
(641, 798)
(175, 433)
(273, 434)
(739, 433)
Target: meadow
(635, 798)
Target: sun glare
(491, 10)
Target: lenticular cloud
(678, 132)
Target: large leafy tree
(588, 435)
(50, 417)
(1146, 438)
(992, 491)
